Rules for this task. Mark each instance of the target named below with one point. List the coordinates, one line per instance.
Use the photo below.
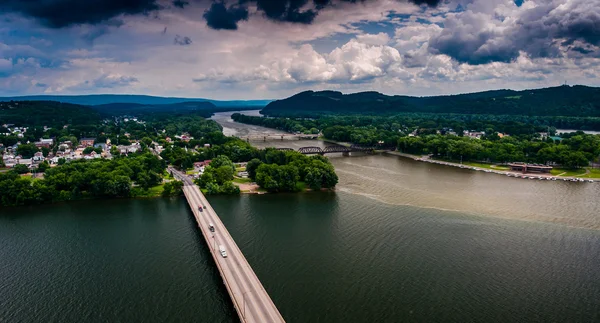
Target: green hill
(576, 101)
(98, 99)
(46, 113)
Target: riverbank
(491, 169)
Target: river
(398, 241)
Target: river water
(398, 241)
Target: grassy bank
(568, 172)
(155, 191)
(242, 180)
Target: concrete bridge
(250, 300)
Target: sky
(270, 49)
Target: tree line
(575, 150)
(118, 177)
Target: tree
(172, 188)
(45, 151)
(229, 188)
(251, 167)
(61, 161)
(223, 174)
(42, 167)
(88, 150)
(222, 160)
(21, 169)
(27, 150)
(147, 141)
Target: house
(25, 161)
(184, 137)
(10, 163)
(38, 157)
(44, 143)
(206, 145)
(48, 141)
(202, 163)
(124, 150)
(101, 145)
(87, 142)
(474, 134)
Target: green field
(484, 165)
(475, 164)
(594, 173)
(151, 192)
(242, 180)
(568, 171)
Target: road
(249, 297)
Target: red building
(86, 142)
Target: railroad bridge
(331, 149)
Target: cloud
(182, 40)
(63, 13)
(6, 67)
(354, 62)
(180, 3)
(218, 16)
(553, 29)
(374, 39)
(109, 81)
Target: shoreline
(508, 173)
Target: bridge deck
(249, 297)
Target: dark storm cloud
(182, 40)
(543, 31)
(218, 16)
(63, 13)
(180, 3)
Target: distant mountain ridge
(576, 101)
(99, 99)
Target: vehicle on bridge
(211, 227)
(223, 251)
(200, 208)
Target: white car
(223, 251)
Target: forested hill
(46, 113)
(579, 101)
(98, 99)
(116, 109)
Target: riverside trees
(281, 171)
(575, 150)
(82, 179)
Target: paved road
(249, 297)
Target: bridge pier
(346, 154)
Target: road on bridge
(249, 297)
